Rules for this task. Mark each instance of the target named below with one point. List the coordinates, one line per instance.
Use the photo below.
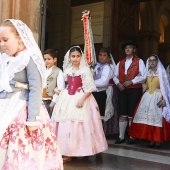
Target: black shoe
(119, 141)
(130, 141)
(151, 144)
(157, 145)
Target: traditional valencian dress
(21, 79)
(151, 122)
(79, 130)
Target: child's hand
(80, 103)
(32, 128)
(57, 91)
(52, 104)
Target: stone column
(107, 23)
(148, 44)
(154, 42)
(164, 53)
(5, 9)
(27, 11)
(143, 45)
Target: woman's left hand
(163, 103)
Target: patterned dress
(79, 130)
(148, 122)
(19, 149)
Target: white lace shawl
(11, 65)
(28, 39)
(164, 87)
(168, 70)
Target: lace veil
(84, 71)
(164, 87)
(67, 63)
(28, 39)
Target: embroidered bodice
(85, 75)
(74, 84)
(153, 84)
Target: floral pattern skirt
(20, 150)
(79, 138)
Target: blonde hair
(9, 24)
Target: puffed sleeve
(88, 81)
(35, 91)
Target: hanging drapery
(89, 49)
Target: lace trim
(30, 43)
(11, 65)
(35, 123)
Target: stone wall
(25, 10)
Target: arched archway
(164, 28)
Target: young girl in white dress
(76, 114)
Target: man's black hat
(129, 42)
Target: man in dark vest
(129, 75)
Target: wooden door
(125, 25)
(43, 7)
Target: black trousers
(101, 101)
(127, 101)
(47, 105)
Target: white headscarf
(112, 62)
(67, 63)
(168, 70)
(28, 39)
(18, 63)
(164, 87)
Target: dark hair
(104, 50)
(129, 42)
(53, 53)
(73, 49)
(154, 55)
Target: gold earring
(20, 46)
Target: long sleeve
(88, 81)
(35, 91)
(142, 73)
(60, 85)
(105, 77)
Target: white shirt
(107, 74)
(138, 79)
(60, 85)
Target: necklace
(74, 71)
(152, 74)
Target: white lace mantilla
(28, 39)
(11, 65)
